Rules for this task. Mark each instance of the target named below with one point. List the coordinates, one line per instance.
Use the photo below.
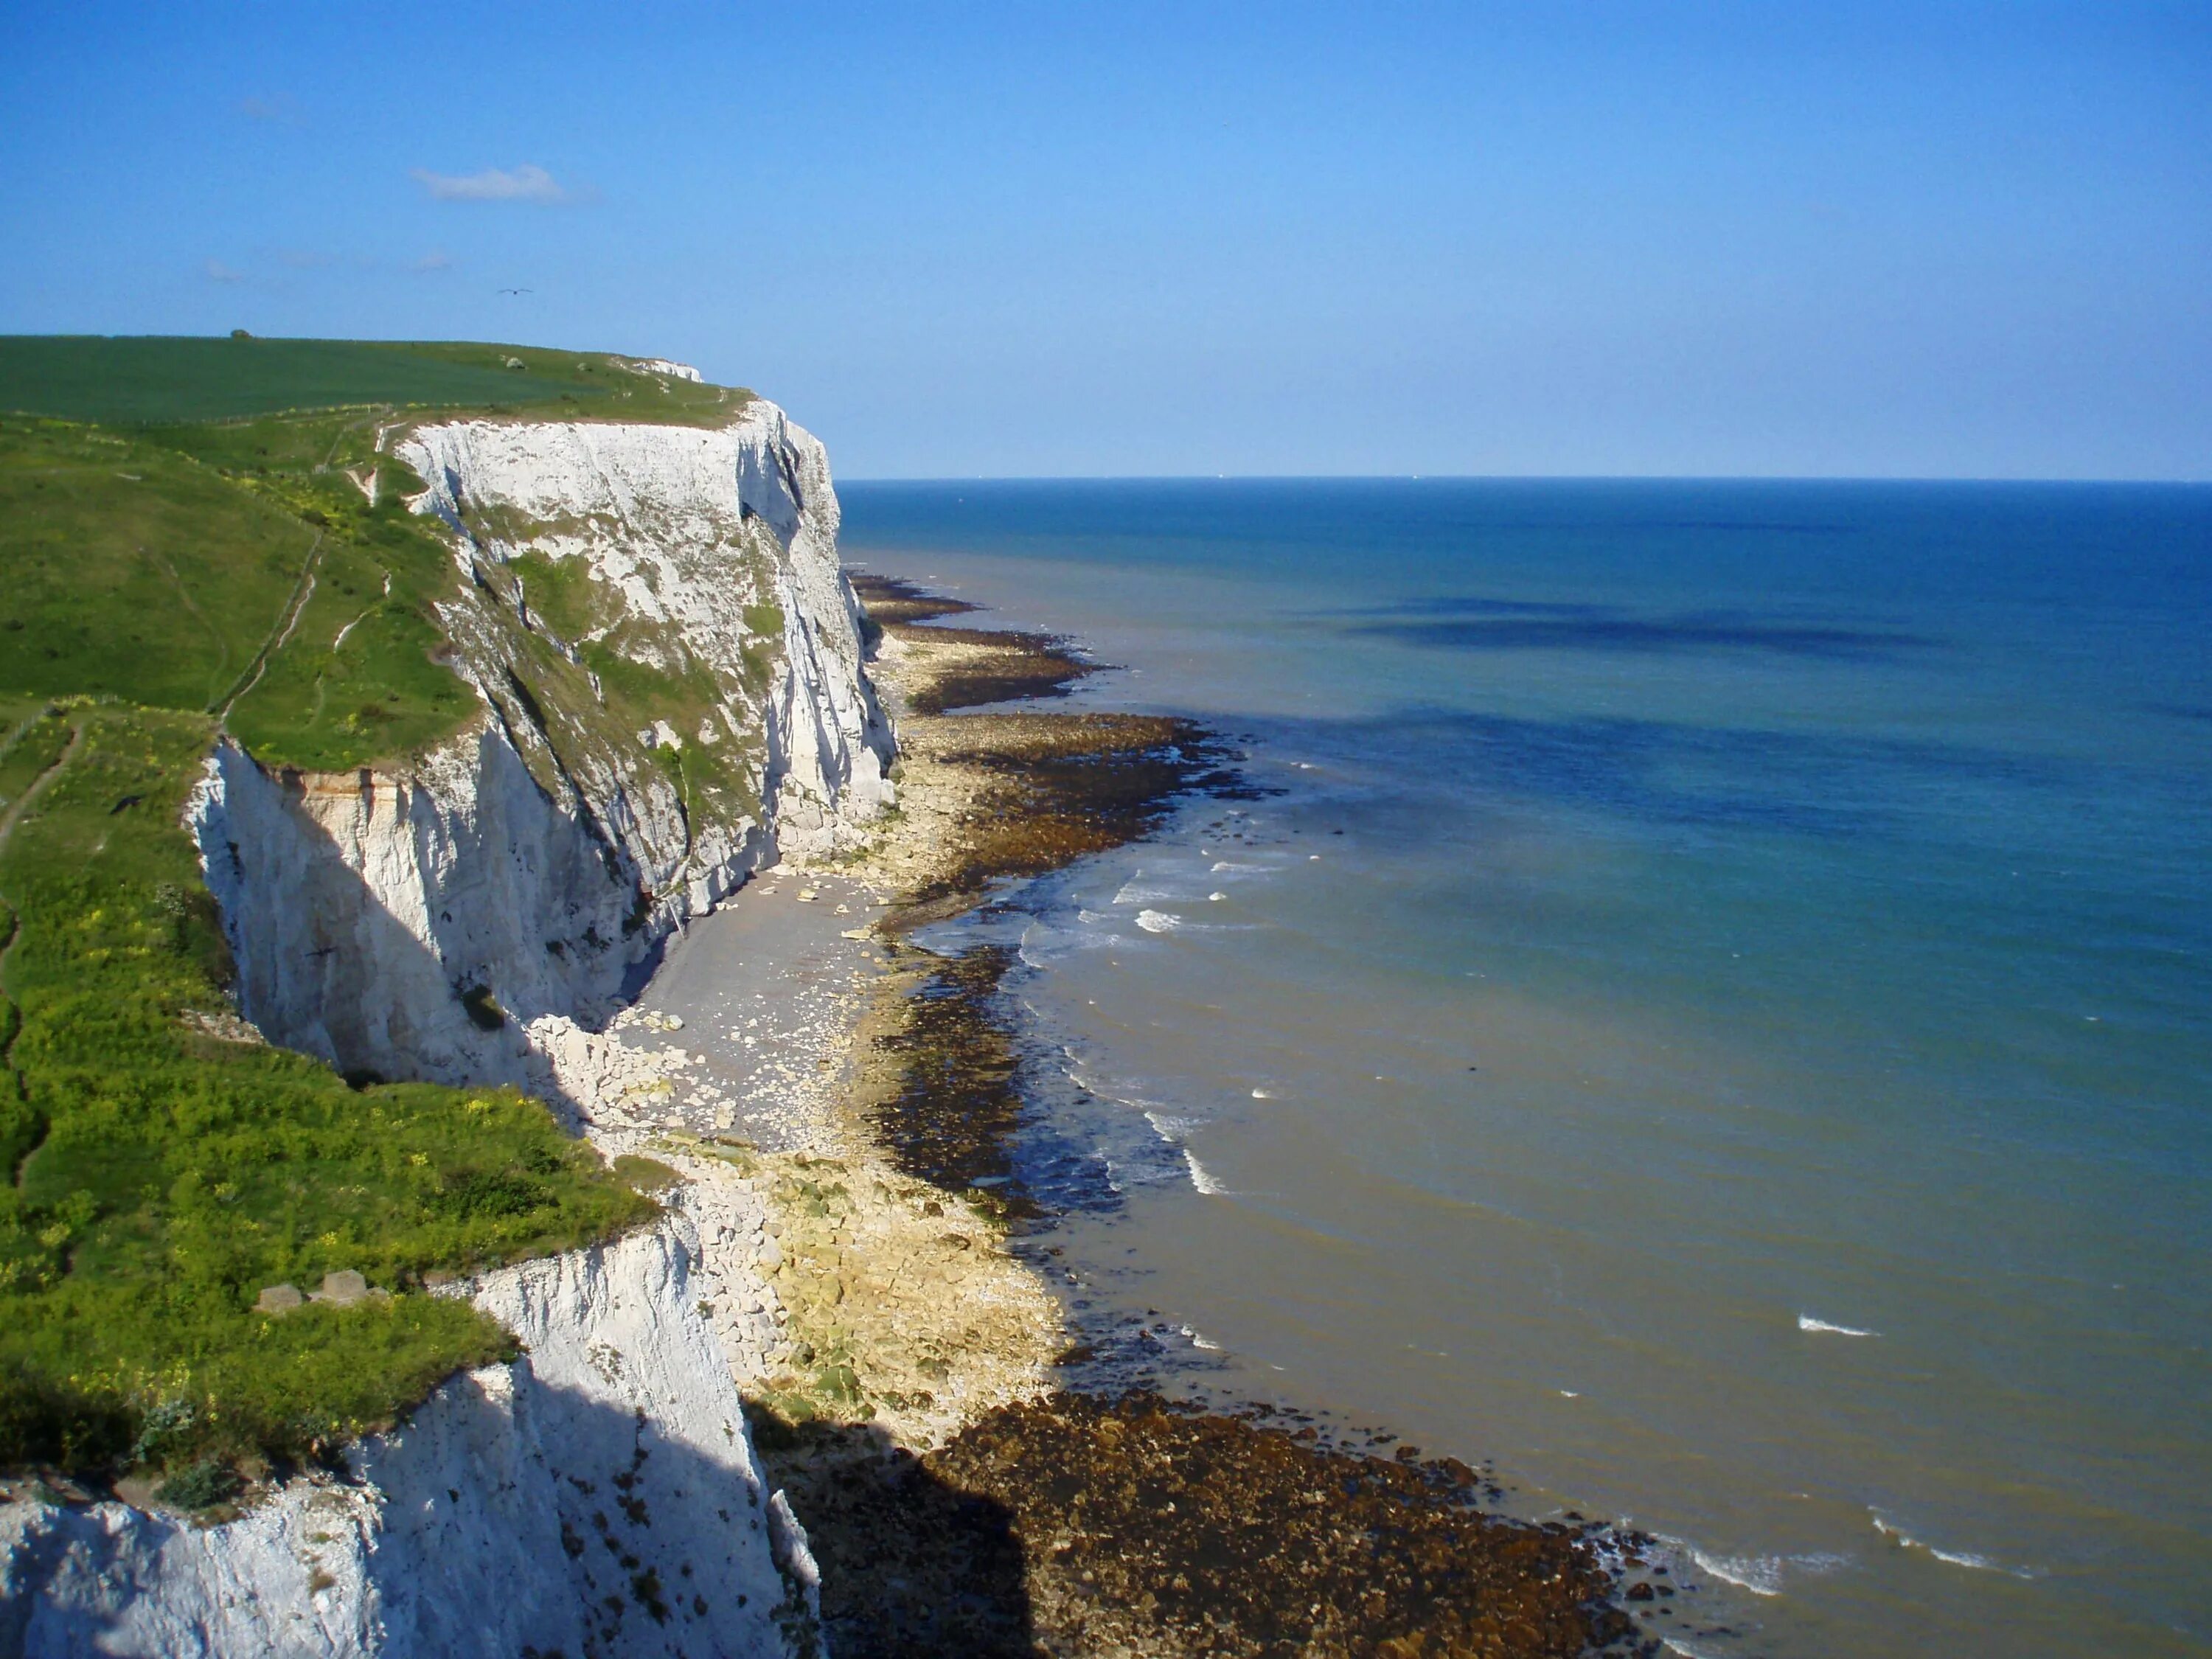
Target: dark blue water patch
(1500, 626)
(1456, 605)
(2040, 543)
(1655, 772)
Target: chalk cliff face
(412, 922)
(670, 665)
(675, 546)
(598, 1496)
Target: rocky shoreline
(959, 1499)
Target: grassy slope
(150, 379)
(161, 1176)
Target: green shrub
(200, 1486)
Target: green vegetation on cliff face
(160, 582)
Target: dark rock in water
(1640, 1592)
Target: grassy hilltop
(162, 502)
(153, 379)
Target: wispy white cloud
(527, 183)
(436, 260)
(219, 272)
(303, 259)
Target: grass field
(151, 379)
(204, 562)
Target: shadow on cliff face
(326, 966)
(622, 1535)
(911, 1565)
(518, 1517)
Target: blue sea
(1715, 1015)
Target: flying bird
(518, 290)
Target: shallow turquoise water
(1718, 1019)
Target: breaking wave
(1807, 1322)
(1201, 1177)
(1905, 1540)
(1761, 1575)
(1136, 892)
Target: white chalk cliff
(471, 917)
(414, 922)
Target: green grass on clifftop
(160, 580)
(152, 378)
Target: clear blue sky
(1787, 238)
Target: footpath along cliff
(474, 917)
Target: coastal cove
(1688, 937)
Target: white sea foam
(1158, 922)
(1261, 1094)
(1220, 864)
(1759, 1574)
(1215, 898)
(1199, 1341)
(1807, 1322)
(1202, 1178)
(1905, 1540)
(1170, 1129)
(1135, 892)
(1088, 918)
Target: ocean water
(1717, 1018)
